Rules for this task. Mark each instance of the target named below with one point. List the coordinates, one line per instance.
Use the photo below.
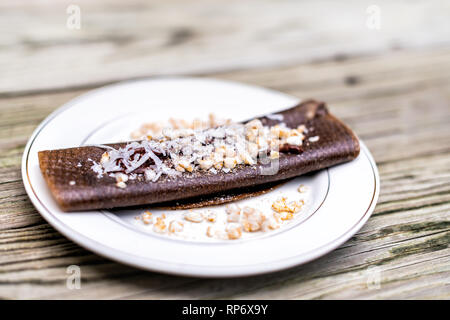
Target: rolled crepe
(76, 186)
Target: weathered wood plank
(403, 122)
(122, 40)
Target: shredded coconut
(176, 151)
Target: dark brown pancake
(336, 144)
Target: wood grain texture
(397, 101)
(122, 40)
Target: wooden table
(391, 85)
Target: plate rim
(157, 265)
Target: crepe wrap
(75, 186)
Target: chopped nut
(147, 217)
(251, 134)
(218, 133)
(210, 232)
(247, 159)
(295, 133)
(238, 160)
(211, 217)
(214, 232)
(286, 216)
(284, 132)
(302, 188)
(218, 160)
(281, 206)
(314, 139)
(220, 150)
(270, 224)
(160, 226)
(252, 149)
(147, 220)
(233, 212)
(262, 143)
(230, 153)
(230, 163)
(179, 168)
(205, 164)
(254, 124)
(252, 219)
(185, 132)
(105, 158)
(149, 174)
(301, 128)
(121, 184)
(176, 226)
(276, 216)
(247, 211)
(218, 156)
(295, 140)
(193, 216)
(275, 131)
(234, 231)
(121, 177)
(169, 133)
(232, 208)
(293, 207)
(186, 165)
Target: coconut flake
(277, 117)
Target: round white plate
(339, 199)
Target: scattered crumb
(176, 226)
(230, 224)
(282, 206)
(210, 231)
(233, 212)
(211, 217)
(121, 185)
(147, 217)
(160, 225)
(234, 231)
(193, 216)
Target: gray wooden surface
(392, 86)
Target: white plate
(340, 201)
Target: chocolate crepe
(75, 186)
